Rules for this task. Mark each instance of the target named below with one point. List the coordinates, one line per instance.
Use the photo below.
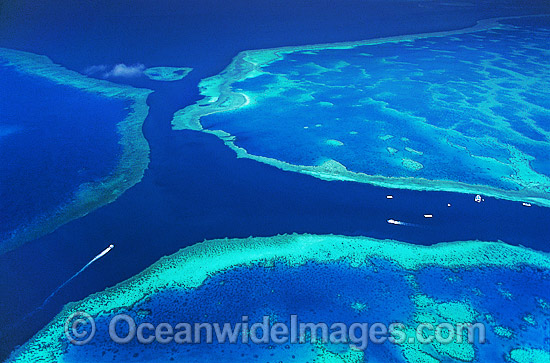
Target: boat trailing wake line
(101, 254)
(401, 223)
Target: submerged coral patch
(167, 73)
(455, 111)
(107, 101)
(321, 279)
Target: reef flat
(130, 165)
(459, 111)
(323, 279)
(168, 74)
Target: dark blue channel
(195, 188)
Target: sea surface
(56, 138)
(331, 293)
(468, 108)
(194, 187)
(355, 282)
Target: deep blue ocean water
(61, 137)
(195, 188)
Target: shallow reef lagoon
(328, 279)
(459, 111)
(192, 187)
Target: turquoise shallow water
(465, 108)
(331, 293)
(313, 292)
(195, 189)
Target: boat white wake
(103, 253)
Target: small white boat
(428, 215)
(526, 204)
(478, 198)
